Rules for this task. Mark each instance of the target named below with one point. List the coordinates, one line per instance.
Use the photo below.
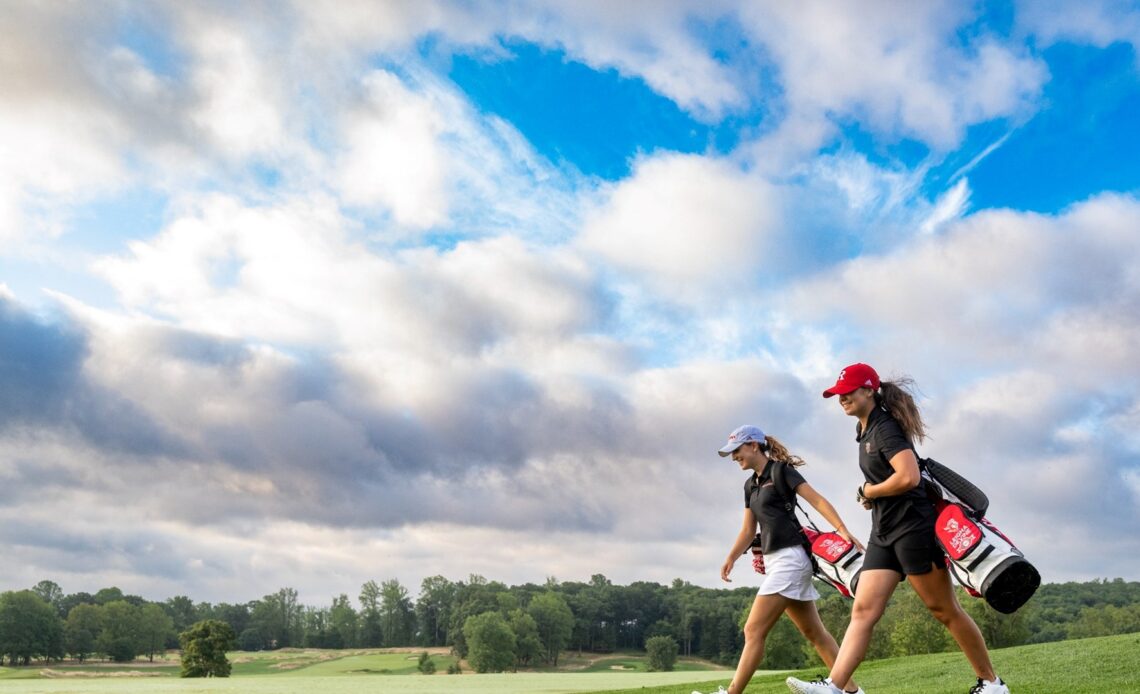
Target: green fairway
(506, 683)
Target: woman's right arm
(743, 540)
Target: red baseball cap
(852, 379)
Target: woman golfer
(902, 543)
(769, 494)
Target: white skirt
(788, 572)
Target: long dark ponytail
(898, 397)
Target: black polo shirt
(891, 516)
(778, 526)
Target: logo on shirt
(868, 447)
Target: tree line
(499, 627)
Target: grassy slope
(1108, 664)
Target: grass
(507, 683)
(638, 663)
(1108, 664)
(1087, 666)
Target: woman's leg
(875, 589)
(766, 609)
(806, 618)
(938, 594)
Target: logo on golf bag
(837, 561)
(959, 537)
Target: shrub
(662, 651)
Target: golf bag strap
(789, 495)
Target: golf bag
(837, 562)
(834, 561)
(983, 560)
(943, 484)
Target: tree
(29, 628)
(251, 640)
(107, 595)
(396, 614)
(52, 594)
(662, 652)
(528, 646)
(204, 647)
(119, 636)
(999, 630)
(555, 623)
(475, 597)
(433, 609)
(1105, 620)
(84, 622)
(182, 611)
(316, 621)
(279, 618)
(426, 666)
(343, 622)
(490, 642)
(915, 630)
(154, 625)
(371, 635)
(784, 647)
(237, 616)
(73, 599)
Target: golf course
(1077, 666)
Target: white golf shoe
(820, 686)
(719, 690)
(987, 687)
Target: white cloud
(393, 156)
(898, 71)
(60, 142)
(646, 38)
(238, 99)
(1099, 22)
(990, 285)
(950, 206)
(682, 224)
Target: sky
(307, 295)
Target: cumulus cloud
(60, 140)
(905, 74)
(393, 156)
(1099, 23)
(684, 223)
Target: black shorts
(914, 553)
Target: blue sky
(274, 285)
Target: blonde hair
(778, 451)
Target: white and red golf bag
(837, 561)
(983, 560)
